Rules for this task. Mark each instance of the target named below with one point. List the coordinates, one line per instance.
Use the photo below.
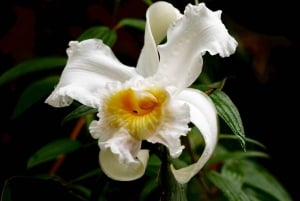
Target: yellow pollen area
(139, 112)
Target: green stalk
(171, 190)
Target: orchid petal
(122, 144)
(121, 157)
(117, 170)
(198, 31)
(173, 127)
(98, 131)
(204, 117)
(90, 66)
(159, 16)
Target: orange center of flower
(139, 112)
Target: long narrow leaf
(258, 177)
(148, 2)
(32, 188)
(229, 186)
(34, 93)
(257, 195)
(95, 172)
(229, 113)
(31, 66)
(6, 194)
(237, 155)
(132, 22)
(249, 140)
(148, 188)
(80, 111)
(107, 35)
(52, 151)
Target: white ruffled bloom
(151, 101)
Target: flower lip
(146, 101)
(138, 102)
(139, 111)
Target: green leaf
(20, 188)
(84, 191)
(53, 150)
(249, 140)
(80, 111)
(148, 2)
(257, 195)
(195, 138)
(34, 93)
(237, 155)
(132, 22)
(229, 113)
(6, 191)
(152, 166)
(258, 177)
(222, 155)
(107, 35)
(229, 185)
(30, 66)
(196, 191)
(87, 175)
(148, 188)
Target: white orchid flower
(151, 101)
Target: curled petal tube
(204, 117)
(159, 16)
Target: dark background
(264, 86)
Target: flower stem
(171, 190)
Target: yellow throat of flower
(139, 112)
